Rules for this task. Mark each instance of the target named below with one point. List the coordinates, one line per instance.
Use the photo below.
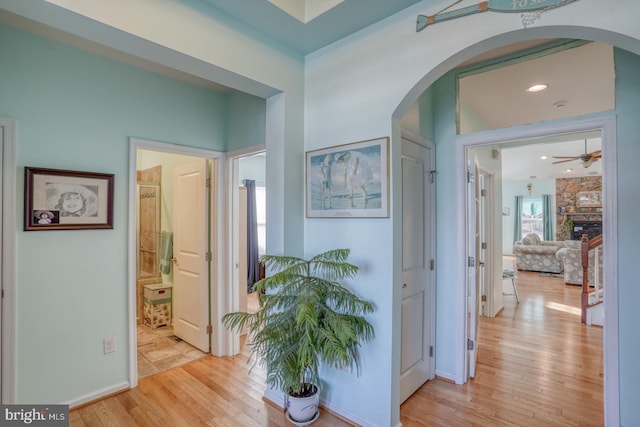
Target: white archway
(608, 127)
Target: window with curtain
(532, 217)
(261, 213)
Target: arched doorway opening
(453, 168)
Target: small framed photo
(348, 181)
(67, 200)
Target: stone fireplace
(585, 219)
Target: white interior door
(417, 264)
(190, 246)
(475, 262)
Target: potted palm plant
(307, 317)
(565, 230)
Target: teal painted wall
(447, 217)
(247, 121)
(76, 110)
(628, 145)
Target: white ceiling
(582, 77)
(340, 19)
(525, 162)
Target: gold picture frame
(591, 199)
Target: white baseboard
(98, 394)
(277, 398)
(348, 415)
(446, 376)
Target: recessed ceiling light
(537, 87)
(543, 157)
(568, 170)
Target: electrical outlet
(109, 345)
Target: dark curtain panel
(517, 220)
(253, 267)
(546, 217)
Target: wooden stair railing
(586, 246)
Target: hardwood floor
(214, 391)
(537, 366)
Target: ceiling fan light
(537, 87)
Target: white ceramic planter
(303, 411)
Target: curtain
(253, 266)
(547, 229)
(517, 219)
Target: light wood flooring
(537, 366)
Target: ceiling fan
(587, 159)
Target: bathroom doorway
(159, 346)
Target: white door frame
(471, 273)
(218, 270)
(607, 125)
(231, 340)
(489, 230)
(8, 226)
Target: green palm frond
(307, 317)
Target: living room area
(543, 192)
(551, 197)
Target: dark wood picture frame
(56, 199)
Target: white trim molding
(8, 345)
(606, 124)
(218, 269)
(98, 394)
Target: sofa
(535, 254)
(571, 258)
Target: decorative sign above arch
(530, 10)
